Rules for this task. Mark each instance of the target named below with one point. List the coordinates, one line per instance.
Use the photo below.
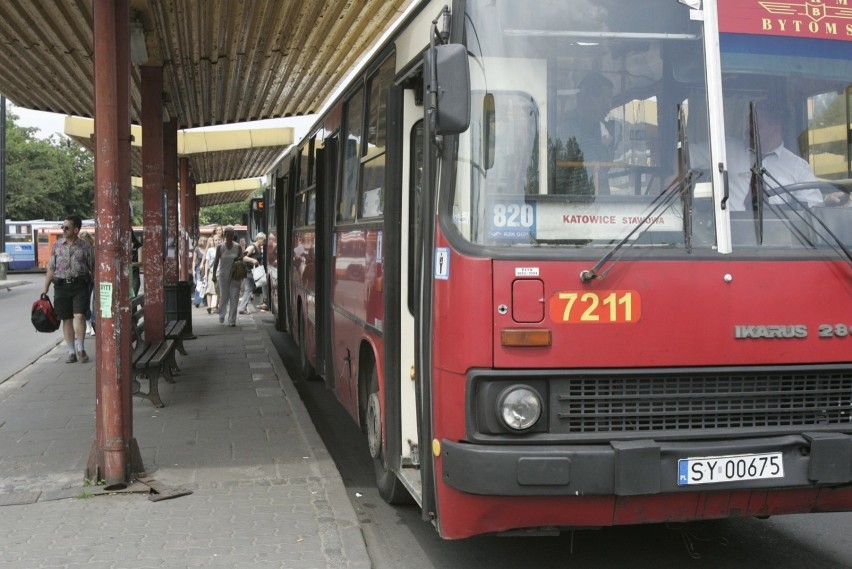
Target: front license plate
(718, 469)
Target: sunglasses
(67, 227)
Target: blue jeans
(196, 298)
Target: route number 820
(513, 215)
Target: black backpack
(44, 316)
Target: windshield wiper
(682, 185)
(756, 183)
(684, 173)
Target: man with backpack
(70, 269)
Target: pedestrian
(211, 292)
(227, 254)
(90, 314)
(70, 269)
(198, 276)
(135, 276)
(252, 258)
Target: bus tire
(391, 488)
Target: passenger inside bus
(586, 137)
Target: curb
(352, 538)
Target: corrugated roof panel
(224, 61)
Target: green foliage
(226, 214)
(49, 179)
(566, 163)
(46, 178)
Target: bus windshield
(787, 100)
(589, 126)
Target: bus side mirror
(447, 77)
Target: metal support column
(185, 256)
(153, 202)
(114, 453)
(170, 180)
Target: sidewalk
(264, 491)
(11, 283)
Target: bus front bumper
(641, 467)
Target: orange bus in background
(47, 236)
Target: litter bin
(179, 304)
(5, 259)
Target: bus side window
(373, 164)
(353, 130)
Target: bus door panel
(349, 294)
(412, 179)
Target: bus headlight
(519, 407)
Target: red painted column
(124, 247)
(170, 162)
(109, 458)
(185, 222)
(152, 202)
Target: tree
(46, 179)
(226, 214)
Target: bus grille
(595, 404)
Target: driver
(782, 166)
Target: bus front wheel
(390, 487)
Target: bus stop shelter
(169, 65)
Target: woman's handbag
(238, 271)
(258, 273)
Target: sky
(46, 123)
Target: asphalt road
(397, 537)
(20, 344)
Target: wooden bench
(173, 330)
(151, 360)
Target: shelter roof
(224, 62)
(214, 156)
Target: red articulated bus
(586, 264)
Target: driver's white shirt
(782, 167)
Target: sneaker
(231, 324)
(83, 356)
(244, 312)
(72, 358)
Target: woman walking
(210, 292)
(197, 265)
(252, 259)
(227, 254)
